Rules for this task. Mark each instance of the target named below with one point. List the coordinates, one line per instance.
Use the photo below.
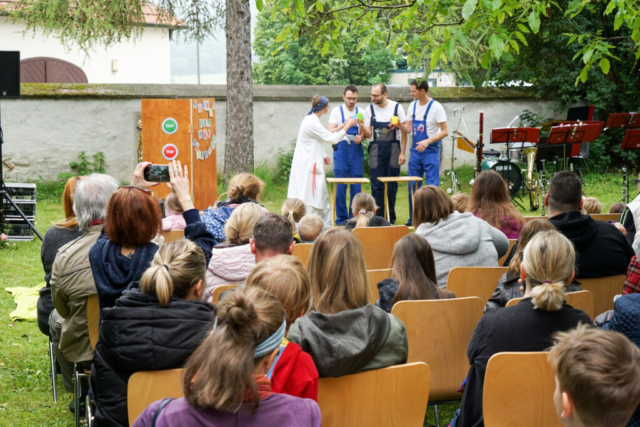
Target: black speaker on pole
(9, 74)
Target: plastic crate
(21, 191)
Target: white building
(45, 60)
(437, 78)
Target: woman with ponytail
(227, 380)
(364, 210)
(546, 268)
(153, 327)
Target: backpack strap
(159, 409)
(342, 114)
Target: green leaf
(587, 56)
(300, 7)
(319, 6)
(514, 44)
(468, 9)
(618, 21)
(521, 38)
(495, 4)
(496, 44)
(259, 5)
(534, 22)
(462, 38)
(325, 48)
(450, 47)
(610, 7)
(501, 17)
(486, 59)
(572, 39)
(583, 74)
(573, 6)
(605, 65)
(523, 29)
(435, 56)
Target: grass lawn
(25, 385)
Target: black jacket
(516, 328)
(140, 335)
(376, 221)
(601, 249)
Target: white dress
(307, 179)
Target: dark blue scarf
(320, 106)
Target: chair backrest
(474, 281)
(302, 251)
(606, 217)
(144, 388)
(394, 396)
(378, 242)
(215, 296)
(375, 277)
(582, 300)
(93, 319)
(531, 218)
(603, 290)
(512, 243)
(438, 332)
(172, 235)
(518, 391)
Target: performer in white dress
(307, 179)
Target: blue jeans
(348, 162)
(424, 164)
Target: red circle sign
(170, 151)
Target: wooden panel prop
(184, 130)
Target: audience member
(591, 205)
(490, 201)
(630, 217)
(243, 188)
(71, 279)
(173, 220)
(343, 333)
(546, 269)
(152, 328)
(294, 209)
(460, 202)
(271, 236)
(225, 381)
(457, 239)
(130, 239)
(618, 207)
(597, 378)
(293, 371)
(232, 261)
(309, 228)
(58, 235)
(632, 282)
(413, 274)
(364, 210)
(510, 285)
(601, 249)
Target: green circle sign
(170, 126)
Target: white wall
(146, 60)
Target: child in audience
(617, 208)
(460, 202)
(294, 209)
(309, 228)
(285, 277)
(343, 333)
(225, 380)
(173, 211)
(413, 274)
(546, 269)
(364, 210)
(597, 378)
(591, 205)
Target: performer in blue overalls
(428, 127)
(348, 156)
(384, 121)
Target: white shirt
(436, 116)
(336, 118)
(385, 114)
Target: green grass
(25, 385)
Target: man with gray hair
(72, 279)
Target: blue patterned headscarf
(320, 106)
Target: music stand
(623, 120)
(574, 133)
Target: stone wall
(50, 124)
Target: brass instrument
(543, 184)
(530, 178)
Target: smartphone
(157, 173)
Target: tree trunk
(238, 156)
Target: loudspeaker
(9, 74)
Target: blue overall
(348, 162)
(427, 162)
(384, 150)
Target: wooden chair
(394, 396)
(376, 276)
(518, 391)
(172, 235)
(582, 300)
(215, 296)
(531, 218)
(302, 251)
(603, 290)
(474, 281)
(144, 388)
(93, 326)
(378, 242)
(512, 243)
(606, 217)
(438, 332)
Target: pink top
(173, 221)
(513, 228)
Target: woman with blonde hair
(364, 210)
(343, 333)
(226, 380)
(154, 327)
(294, 210)
(546, 269)
(232, 261)
(243, 188)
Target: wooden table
(334, 181)
(387, 179)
